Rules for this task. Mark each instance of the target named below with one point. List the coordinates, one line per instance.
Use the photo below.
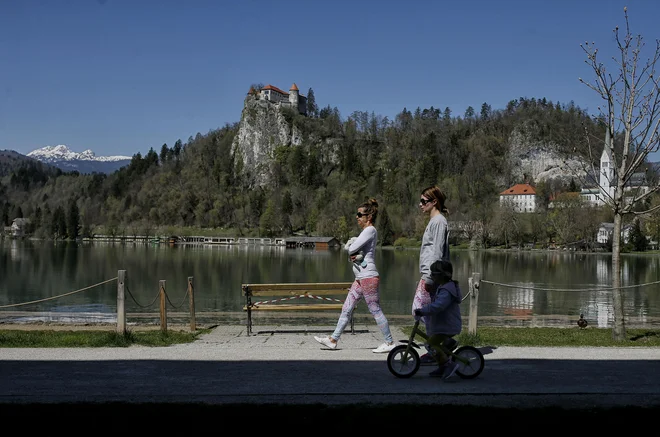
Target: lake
(527, 288)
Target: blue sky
(121, 76)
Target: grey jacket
(443, 314)
(434, 246)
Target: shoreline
(32, 321)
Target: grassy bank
(557, 337)
(89, 338)
(486, 336)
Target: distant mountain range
(86, 162)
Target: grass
(48, 338)
(486, 336)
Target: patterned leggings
(422, 297)
(368, 289)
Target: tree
(73, 220)
(486, 111)
(631, 111)
(637, 237)
(58, 225)
(164, 153)
(312, 108)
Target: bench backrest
(296, 288)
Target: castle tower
(294, 95)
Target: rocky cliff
(262, 128)
(539, 161)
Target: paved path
(226, 367)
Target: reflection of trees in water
(42, 269)
(516, 301)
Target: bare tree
(631, 110)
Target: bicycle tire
(400, 367)
(475, 364)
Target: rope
(182, 300)
(61, 295)
(311, 296)
(136, 302)
(568, 289)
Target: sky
(122, 76)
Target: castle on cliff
(275, 95)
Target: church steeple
(606, 177)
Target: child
(442, 316)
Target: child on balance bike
(443, 318)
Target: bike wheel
(470, 362)
(403, 364)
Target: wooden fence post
(121, 302)
(163, 307)
(191, 291)
(473, 283)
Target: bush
(406, 242)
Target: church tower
(606, 178)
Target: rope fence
(57, 297)
(122, 286)
(569, 289)
(474, 282)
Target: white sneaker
(383, 348)
(325, 341)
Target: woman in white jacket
(366, 285)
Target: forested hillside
(199, 186)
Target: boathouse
(312, 242)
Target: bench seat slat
(340, 291)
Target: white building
(18, 226)
(605, 230)
(522, 197)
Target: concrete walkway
(280, 364)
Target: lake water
(531, 288)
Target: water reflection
(538, 284)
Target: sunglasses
(360, 215)
(423, 201)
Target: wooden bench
(286, 293)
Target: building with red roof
(522, 197)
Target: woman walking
(362, 253)
(435, 246)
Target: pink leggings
(422, 297)
(366, 288)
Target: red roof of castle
(294, 87)
(519, 189)
(274, 88)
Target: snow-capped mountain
(86, 162)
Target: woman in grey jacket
(435, 246)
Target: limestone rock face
(262, 128)
(539, 161)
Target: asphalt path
(287, 366)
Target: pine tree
(73, 220)
(312, 108)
